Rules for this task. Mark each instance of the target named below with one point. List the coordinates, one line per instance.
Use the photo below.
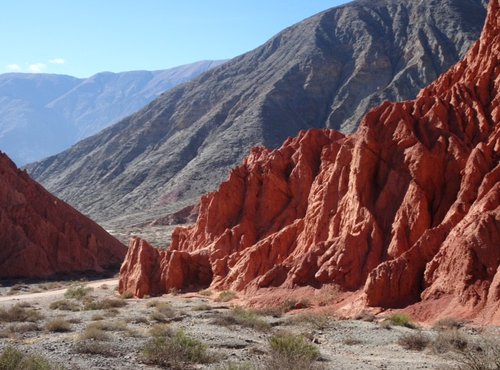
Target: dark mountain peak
(326, 71)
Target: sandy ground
(343, 344)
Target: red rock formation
(41, 235)
(407, 209)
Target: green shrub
(104, 304)
(289, 351)
(175, 351)
(399, 319)
(10, 358)
(13, 359)
(77, 292)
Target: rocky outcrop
(43, 236)
(405, 210)
(327, 71)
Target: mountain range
(43, 114)
(404, 213)
(326, 71)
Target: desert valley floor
(87, 325)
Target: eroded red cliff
(42, 236)
(406, 210)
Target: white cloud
(36, 67)
(57, 61)
(13, 68)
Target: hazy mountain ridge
(326, 71)
(43, 114)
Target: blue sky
(83, 37)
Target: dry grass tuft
(414, 341)
(58, 325)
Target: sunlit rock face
(406, 210)
(42, 236)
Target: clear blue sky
(83, 37)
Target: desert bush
(225, 296)
(104, 304)
(316, 321)
(448, 323)
(289, 351)
(205, 292)
(350, 341)
(127, 295)
(450, 340)
(365, 316)
(58, 325)
(243, 317)
(13, 359)
(64, 305)
(50, 285)
(414, 341)
(92, 332)
(19, 313)
(175, 351)
(399, 319)
(109, 325)
(481, 354)
(91, 347)
(161, 330)
(163, 312)
(77, 292)
(202, 307)
(236, 366)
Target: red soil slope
(405, 210)
(41, 235)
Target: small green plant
(290, 351)
(399, 319)
(225, 296)
(161, 330)
(58, 325)
(175, 351)
(77, 292)
(13, 359)
(19, 313)
(414, 341)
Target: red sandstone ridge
(41, 235)
(406, 210)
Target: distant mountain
(326, 71)
(42, 114)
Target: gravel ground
(343, 344)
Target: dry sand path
(57, 292)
